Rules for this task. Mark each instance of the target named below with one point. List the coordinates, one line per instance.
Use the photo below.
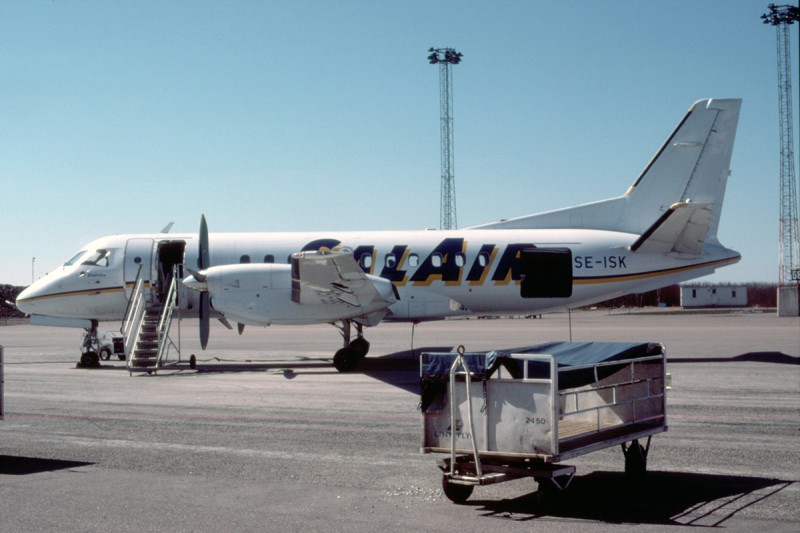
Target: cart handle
(460, 362)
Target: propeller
(203, 263)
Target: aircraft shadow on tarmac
(399, 369)
(663, 498)
(750, 357)
(21, 466)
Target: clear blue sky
(119, 117)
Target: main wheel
(359, 347)
(345, 360)
(456, 492)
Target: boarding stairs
(146, 329)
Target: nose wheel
(89, 360)
(89, 357)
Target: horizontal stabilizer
(682, 229)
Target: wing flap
(324, 278)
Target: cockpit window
(97, 258)
(75, 258)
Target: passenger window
(483, 259)
(366, 261)
(391, 260)
(413, 260)
(460, 259)
(269, 258)
(436, 260)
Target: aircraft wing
(336, 279)
(681, 229)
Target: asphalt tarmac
(265, 435)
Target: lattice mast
(446, 58)
(789, 269)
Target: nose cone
(43, 298)
(25, 300)
(40, 298)
(29, 300)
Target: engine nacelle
(261, 294)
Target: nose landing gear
(89, 348)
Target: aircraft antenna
(789, 270)
(446, 58)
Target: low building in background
(698, 296)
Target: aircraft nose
(24, 301)
(38, 298)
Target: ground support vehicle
(508, 414)
(95, 347)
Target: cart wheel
(635, 461)
(455, 492)
(121, 356)
(105, 354)
(192, 362)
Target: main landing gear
(346, 358)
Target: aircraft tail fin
(684, 182)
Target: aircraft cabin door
(138, 255)
(169, 255)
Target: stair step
(145, 353)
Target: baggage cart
(504, 415)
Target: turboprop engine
(317, 287)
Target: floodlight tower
(446, 58)
(781, 17)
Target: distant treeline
(758, 295)
(9, 292)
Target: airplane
(661, 231)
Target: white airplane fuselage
(437, 274)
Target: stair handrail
(165, 319)
(134, 321)
(126, 316)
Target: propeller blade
(240, 327)
(203, 262)
(224, 322)
(205, 326)
(203, 258)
